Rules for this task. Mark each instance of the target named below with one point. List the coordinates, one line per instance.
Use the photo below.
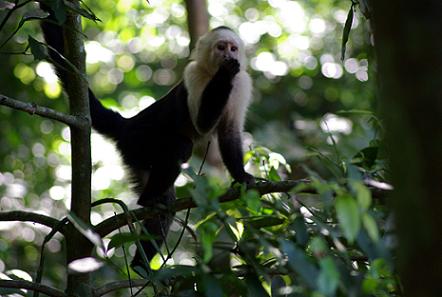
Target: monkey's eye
(233, 48)
(221, 47)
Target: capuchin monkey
(210, 101)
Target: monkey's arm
(230, 144)
(215, 95)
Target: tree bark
(197, 19)
(77, 246)
(408, 41)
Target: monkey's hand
(229, 68)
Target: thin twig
(15, 284)
(32, 108)
(126, 263)
(170, 254)
(48, 237)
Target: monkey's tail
(104, 121)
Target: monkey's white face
(225, 50)
(217, 46)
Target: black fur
(159, 139)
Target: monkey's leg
(161, 178)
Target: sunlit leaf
(5, 5)
(273, 174)
(264, 221)
(19, 274)
(348, 215)
(85, 265)
(86, 230)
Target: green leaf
(363, 195)
(254, 287)
(58, 9)
(173, 272)
(86, 230)
(301, 233)
(328, 279)
(77, 9)
(319, 247)
(299, 262)
(367, 157)
(273, 174)
(277, 286)
(348, 215)
(265, 221)
(38, 49)
(253, 200)
(211, 286)
(207, 233)
(371, 227)
(346, 33)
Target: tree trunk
(197, 19)
(408, 41)
(77, 246)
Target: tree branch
(24, 216)
(46, 112)
(264, 187)
(267, 187)
(118, 285)
(32, 286)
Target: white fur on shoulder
(195, 80)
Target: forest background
(343, 120)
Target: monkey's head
(218, 45)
